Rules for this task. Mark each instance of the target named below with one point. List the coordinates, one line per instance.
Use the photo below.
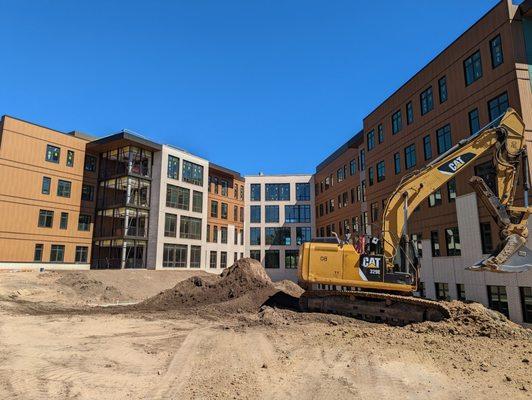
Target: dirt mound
(474, 320)
(89, 288)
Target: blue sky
(256, 86)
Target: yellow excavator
(376, 279)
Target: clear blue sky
(271, 86)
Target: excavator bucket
(513, 257)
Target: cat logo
(371, 262)
(449, 168)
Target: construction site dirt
(190, 335)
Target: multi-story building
(468, 85)
(47, 193)
(279, 217)
(225, 221)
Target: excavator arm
(507, 141)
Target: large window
(442, 291)
(460, 292)
(213, 263)
(473, 68)
(291, 258)
(272, 213)
(254, 236)
(526, 303)
(224, 211)
(435, 244)
(486, 238)
(277, 236)
(397, 163)
(380, 171)
(82, 254)
(380, 133)
(303, 234)
(371, 140)
(195, 256)
(435, 198)
(271, 259)
(277, 192)
(427, 148)
(170, 225)
(225, 187)
(297, 213)
(442, 89)
(197, 201)
(474, 121)
(255, 255)
(426, 100)
(84, 222)
(90, 163)
(254, 214)
(192, 173)
(87, 192)
(37, 254)
(70, 158)
(410, 156)
(64, 188)
(52, 153)
(397, 123)
(57, 253)
(190, 228)
(177, 197)
(443, 138)
(46, 184)
(452, 240)
(63, 221)
(496, 51)
(214, 209)
(362, 160)
(371, 176)
(498, 106)
(173, 167)
(255, 192)
(303, 191)
(409, 113)
(498, 299)
(223, 259)
(174, 255)
(46, 218)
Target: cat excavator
(376, 279)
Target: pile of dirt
(474, 320)
(244, 286)
(89, 288)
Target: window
(255, 191)
(214, 209)
(170, 225)
(272, 213)
(303, 191)
(277, 192)
(223, 259)
(177, 197)
(397, 163)
(291, 258)
(410, 156)
(254, 236)
(371, 139)
(426, 100)
(195, 256)
(485, 238)
(197, 201)
(374, 212)
(213, 263)
(90, 163)
(297, 213)
(215, 234)
(340, 175)
(190, 228)
(362, 160)
(224, 211)
(443, 139)
(451, 190)
(82, 254)
(87, 192)
(46, 218)
(63, 221)
(442, 291)
(371, 176)
(498, 106)
(173, 167)
(70, 158)
(241, 214)
(235, 213)
(192, 173)
(175, 255)
(526, 303)
(303, 234)
(442, 89)
(435, 198)
(397, 123)
(52, 153)
(254, 214)
(64, 188)
(380, 171)
(427, 148)
(417, 243)
(225, 187)
(84, 222)
(46, 184)
(363, 190)
(255, 255)
(498, 299)
(409, 113)
(496, 51)
(452, 240)
(474, 121)
(236, 236)
(473, 68)
(223, 234)
(208, 233)
(37, 253)
(215, 184)
(435, 244)
(460, 292)
(57, 253)
(241, 237)
(271, 259)
(277, 236)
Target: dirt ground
(56, 344)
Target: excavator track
(375, 307)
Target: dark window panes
(46, 218)
(277, 192)
(452, 240)
(473, 68)
(498, 299)
(254, 254)
(192, 173)
(397, 123)
(63, 222)
(214, 209)
(87, 192)
(496, 51)
(451, 190)
(435, 244)
(380, 171)
(486, 238)
(426, 100)
(303, 234)
(190, 228)
(170, 225)
(271, 259)
(297, 213)
(526, 303)
(498, 106)
(442, 291)
(173, 167)
(254, 214)
(460, 292)
(46, 184)
(474, 121)
(213, 263)
(84, 222)
(224, 209)
(291, 258)
(410, 156)
(409, 113)
(70, 158)
(82, 254)
(371, 140)
(254, 236)
(255, 191)
(197, 201)
(272, 213)
(302, 191)
(435, 198)
(57, 253)
(195, 256)
(277, 236)
(175, 255)
(427, 148)
(52, 153)
(397, 163)
(37, 254)
(443, 139)
(64, 188)
(90, 163)
(442, 89)
(380, 133)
